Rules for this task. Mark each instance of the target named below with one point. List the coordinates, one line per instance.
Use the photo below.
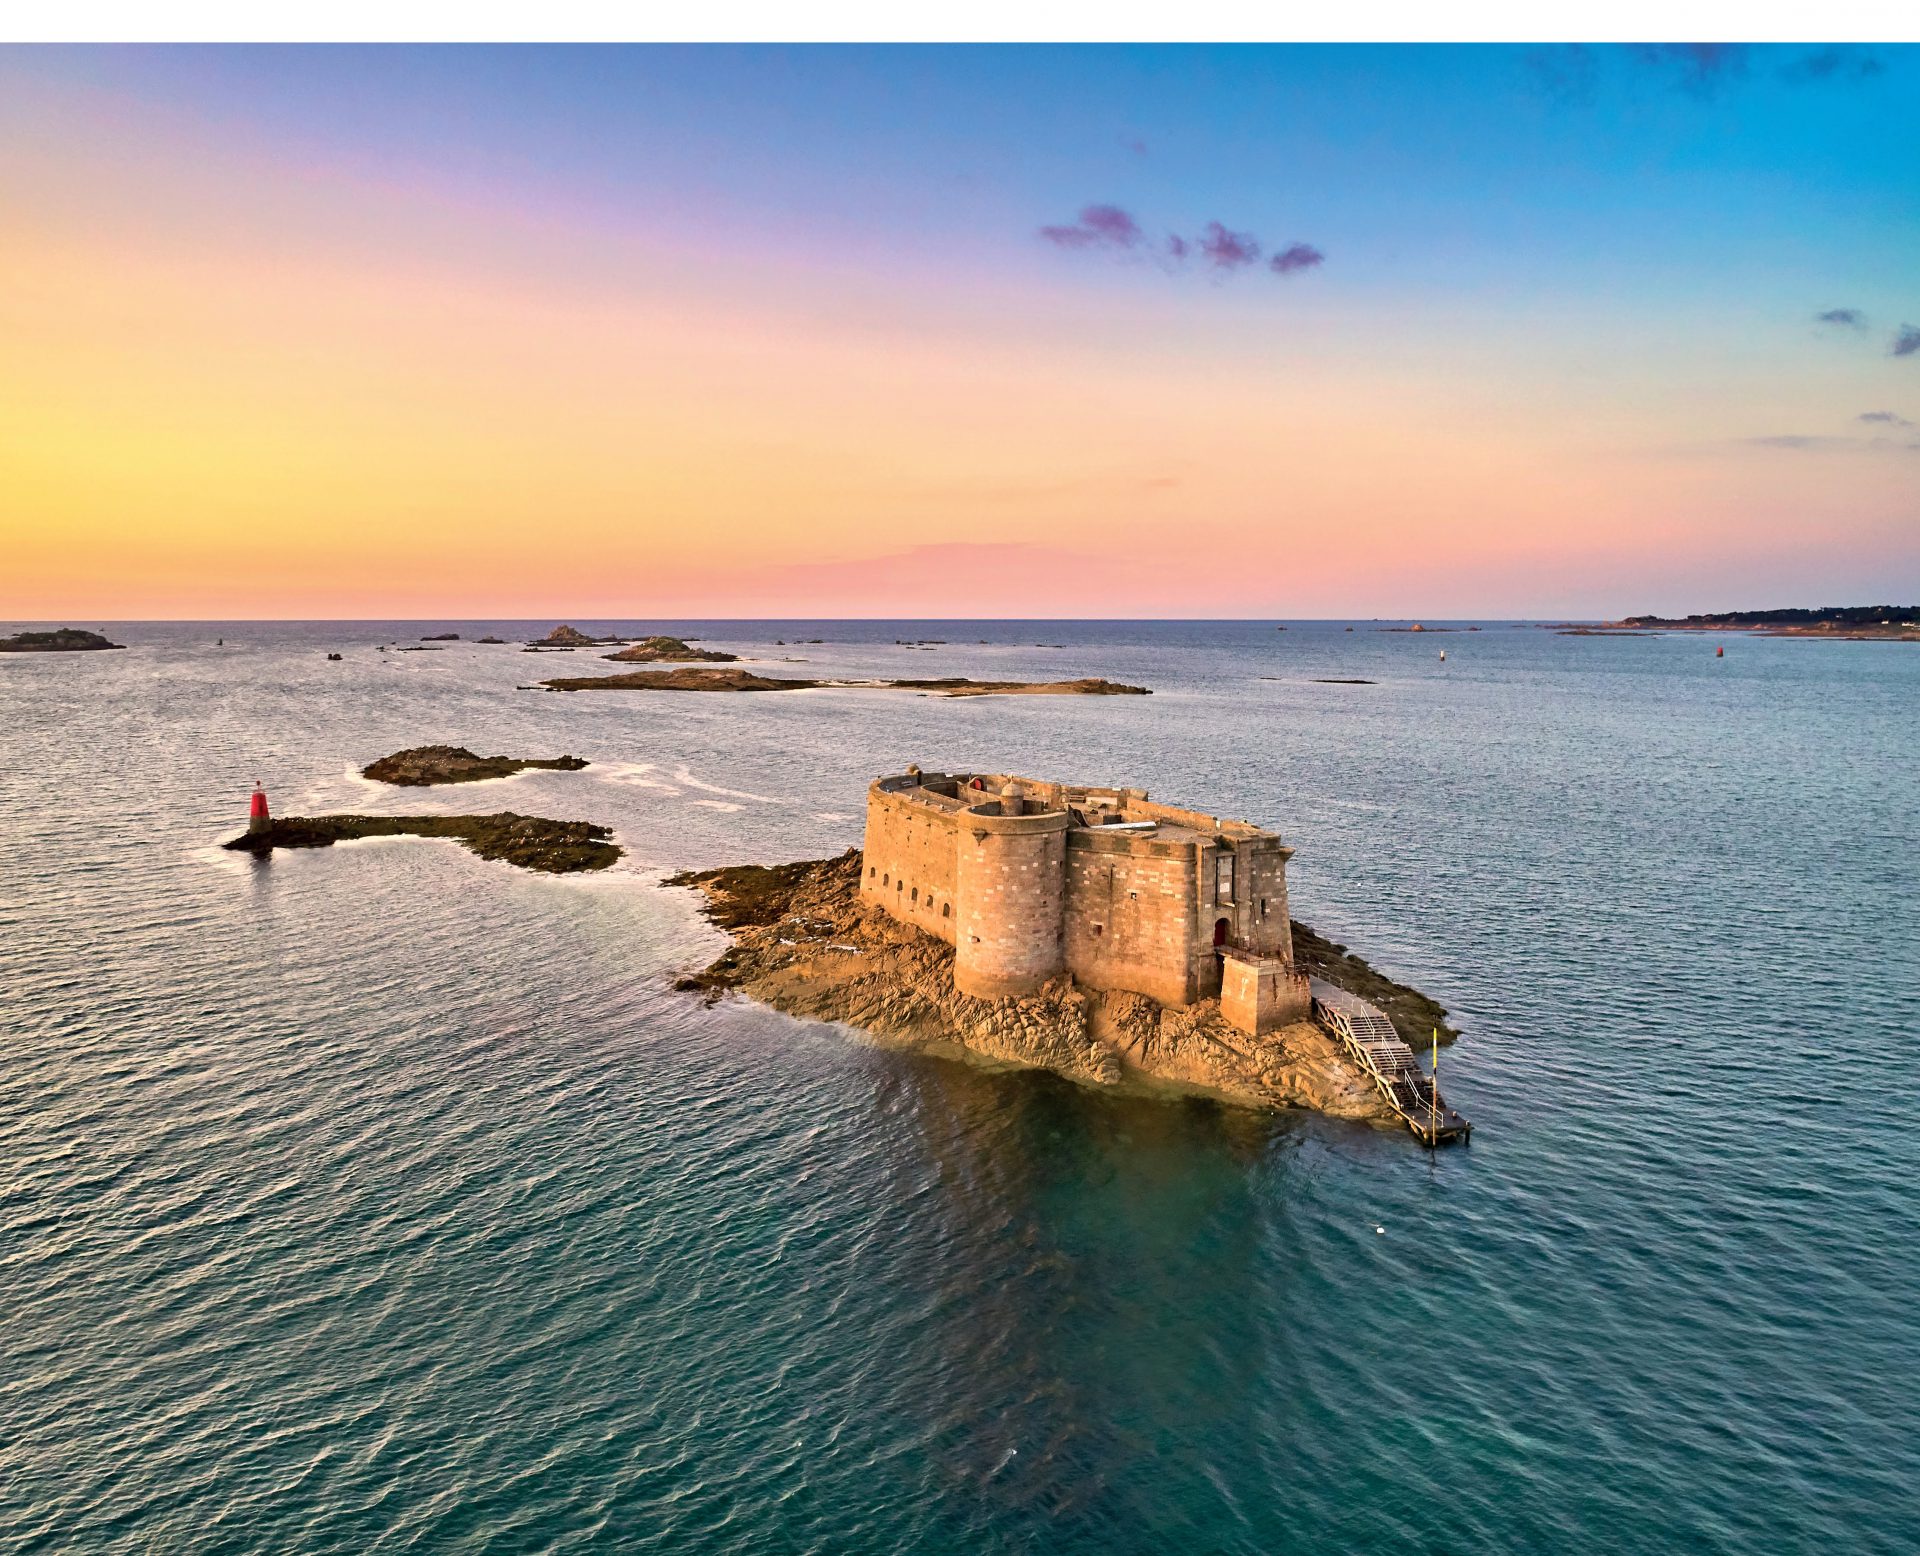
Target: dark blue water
(381, 1198)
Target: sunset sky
(625, 332)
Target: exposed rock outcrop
(661, 650)
(418, 767)
(65, 640)
(570, 637)
(695, 679)
(804, 943)
(531, 842)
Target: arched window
(885, 879)
(916, 894)
(946, 909)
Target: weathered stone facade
(1027, 880)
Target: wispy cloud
(1699, 68)
(1099, 226)
(1575, 73)
(1825, 443)
(1218, 247)
(1843, 318)
(1906, 342)
(1800, 440)
(1834, 64)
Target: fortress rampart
(1029, 879)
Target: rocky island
(1090, 932)
(694, 679)
(419, 767)
(531, 842)
(65, 640)
(662, 650)
(570, 637)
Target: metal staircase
(1371, 1042)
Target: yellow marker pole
(1433, 1107)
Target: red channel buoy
(257, 817)
(1720, 651)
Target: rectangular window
(1223, 891)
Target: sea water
(380, 1198)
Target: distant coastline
(1848, 623)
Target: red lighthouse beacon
(258, 820)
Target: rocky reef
(693, 679)
(805, 944)
(531, 842)
(661, 650)
(66, 640)
(419, 767)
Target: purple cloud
(1112, 224)
(1108, 227)
(1099, 225)
(1070, 237)
(1907, 342)
(1294, 258)
(1885, 418)
(1229, 250)
(1846, 318)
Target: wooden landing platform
(1371, 1042)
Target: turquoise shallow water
(382, 1199)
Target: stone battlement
(1027, 879)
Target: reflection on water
(378, 1197)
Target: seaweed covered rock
(419, 767)
(531, 842)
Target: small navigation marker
(1720, 651)
(258, 820)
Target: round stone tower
(1010, 886)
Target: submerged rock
(531, 842)
(805, 944)
(420, 766)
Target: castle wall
(1010, 889)
(909, 863)
(1131, 916)
(1260, 993)
(1023, 897)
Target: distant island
(68, 640)
(419, 767)
(692, 679)
(531, 842)
(1855, 623)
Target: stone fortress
(1027, 880)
